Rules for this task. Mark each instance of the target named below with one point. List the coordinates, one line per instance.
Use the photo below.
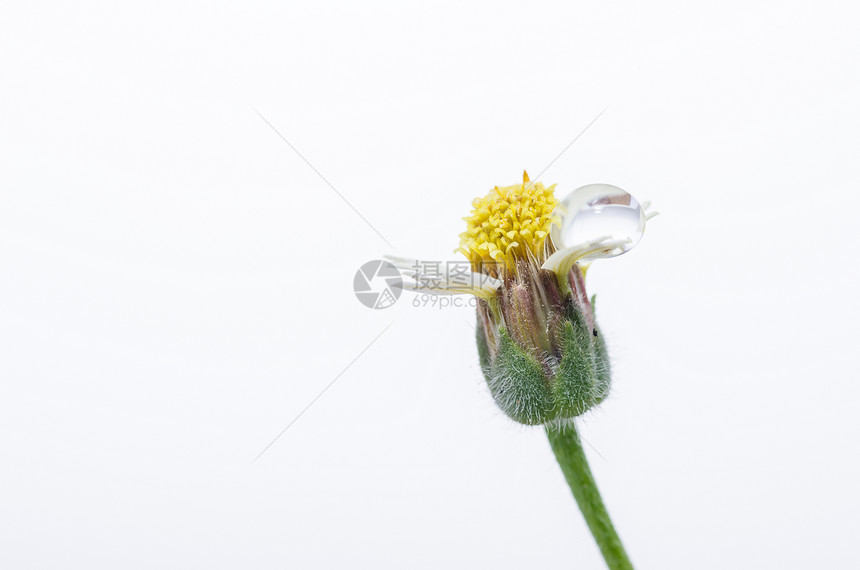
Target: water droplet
(597, 210)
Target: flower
(541, 351)
(508, 224)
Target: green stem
(571, 457)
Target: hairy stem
(571, 457)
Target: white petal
(440, 278)
(563, 260)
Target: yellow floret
(509, 223)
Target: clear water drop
(597, 210)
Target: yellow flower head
(508, 224)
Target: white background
(176, 283)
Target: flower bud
(541, 351)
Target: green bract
(540, 391)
